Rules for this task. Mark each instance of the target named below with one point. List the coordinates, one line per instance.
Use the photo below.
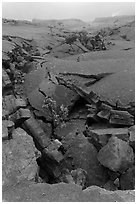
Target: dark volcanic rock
(82, 154)
(127, 180)
(121, 118)
(100, 137)
(7, 128)
(105, 111)
(47, 127)
(19, 161)
(116, 155)
(37, 133)
(52, 151)
(20, 115)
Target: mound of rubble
(72, 130)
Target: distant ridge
(114, 18)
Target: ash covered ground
(68, 110)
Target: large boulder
(18, 158)
(116, 155)
(82, 154)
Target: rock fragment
(37, 133)
(100, 137)
(116, 155)
(80, 177)
(20, 115)
(105, 111)
(127, 180)
(7, 128)
(132, 137)
(52, 151)
(6, 83)
(121, 118)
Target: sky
(86, 11)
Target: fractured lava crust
(68, 112)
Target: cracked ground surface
(68, 117)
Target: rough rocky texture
(7, 128)
(19, 160)
(37, 133)
(63, 193)
(127, 180)
(100, 137)
(116, 155)
(132, 137)
(72, 102)
(82, 154)
(121, 118)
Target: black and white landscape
(68, 109)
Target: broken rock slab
(20, 115)
(18, 158)
(121, 118)
(37, 133)
(116, 155)
(100, 137)
(52, 151)
(105, 111)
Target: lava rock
(52, 151)
(6, 83)
(62, 192)
(18, 158)
(80, 177)
(8, 103)
(47, 127)
(110, 186)
(100, 137)
(127, 180)
(20, 115)
(132, 137)
(116, 155)
(121, 118)
(82, 154)
(20, 103)
(37, 133)
(7, 128)
(105, 111)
